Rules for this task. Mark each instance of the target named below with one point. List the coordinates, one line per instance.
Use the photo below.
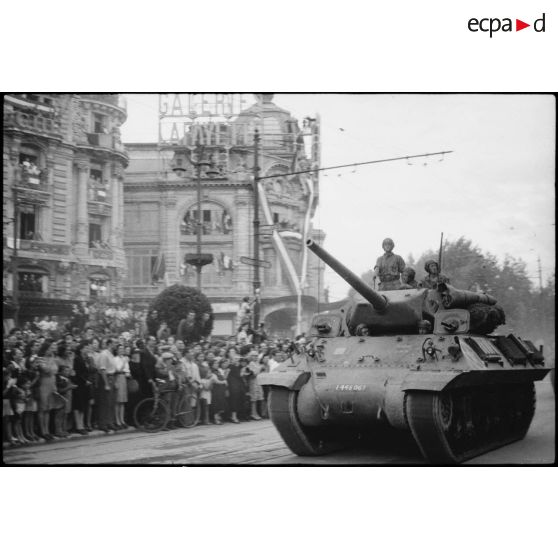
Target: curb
(72, 436)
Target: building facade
(63, 169)
(161, 216)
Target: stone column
(115, 215)
(121, 206)
(82, 232)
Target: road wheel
(302, 440)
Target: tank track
(457, 425)
(302, 440)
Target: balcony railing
(32, 294)
(97, 192)
(101, 253)
(31, 177)
(108, 98)
(44, 247)
(98, 208)
(35, 123)
(106, 141)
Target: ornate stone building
(63, 170)
(161, 218)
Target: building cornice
(163, 185)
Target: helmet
(388, 241)
(410, 272)
(428, 263)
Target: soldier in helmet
(388, 267)
(434, 276)
(408, 279)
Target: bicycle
(187, 409)
(153, 414)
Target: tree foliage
(174, 304)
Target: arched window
(215, 220)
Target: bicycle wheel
(151, 415)
(188, 411)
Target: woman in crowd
(206, 376)
(251, 372)
(122, 374)
(61, 397)
(18, 393)
(236, 387)
(65, 360)
(8, 383)
(47, 366)
(31, 407)
(219, 392)
(81, 397)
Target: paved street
(257, 443)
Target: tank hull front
(352, 385)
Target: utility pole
(199, 223)
(198, 260)
(541, 295)
(256, 229)
(15, 275)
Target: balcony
(101, 140)
(101, 253)
(39, 124)
(112, 100)
(31, 185)
(105, 140)
(99, 208)
(44, 247)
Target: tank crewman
(434, 277)
(388, 267)
(408, 279)
(362, 330)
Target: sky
(497, 188)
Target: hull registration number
(350, 387)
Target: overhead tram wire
(404, 157)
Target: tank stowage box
(422, 360)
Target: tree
(469, 268)
(176, 303)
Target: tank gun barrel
(378, 301)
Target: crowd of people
(59, 378)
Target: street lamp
(15, 274)
(198, 260)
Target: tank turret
(407, 310)
(411, 359)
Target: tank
(420, 360)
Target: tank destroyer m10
(416, 359)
